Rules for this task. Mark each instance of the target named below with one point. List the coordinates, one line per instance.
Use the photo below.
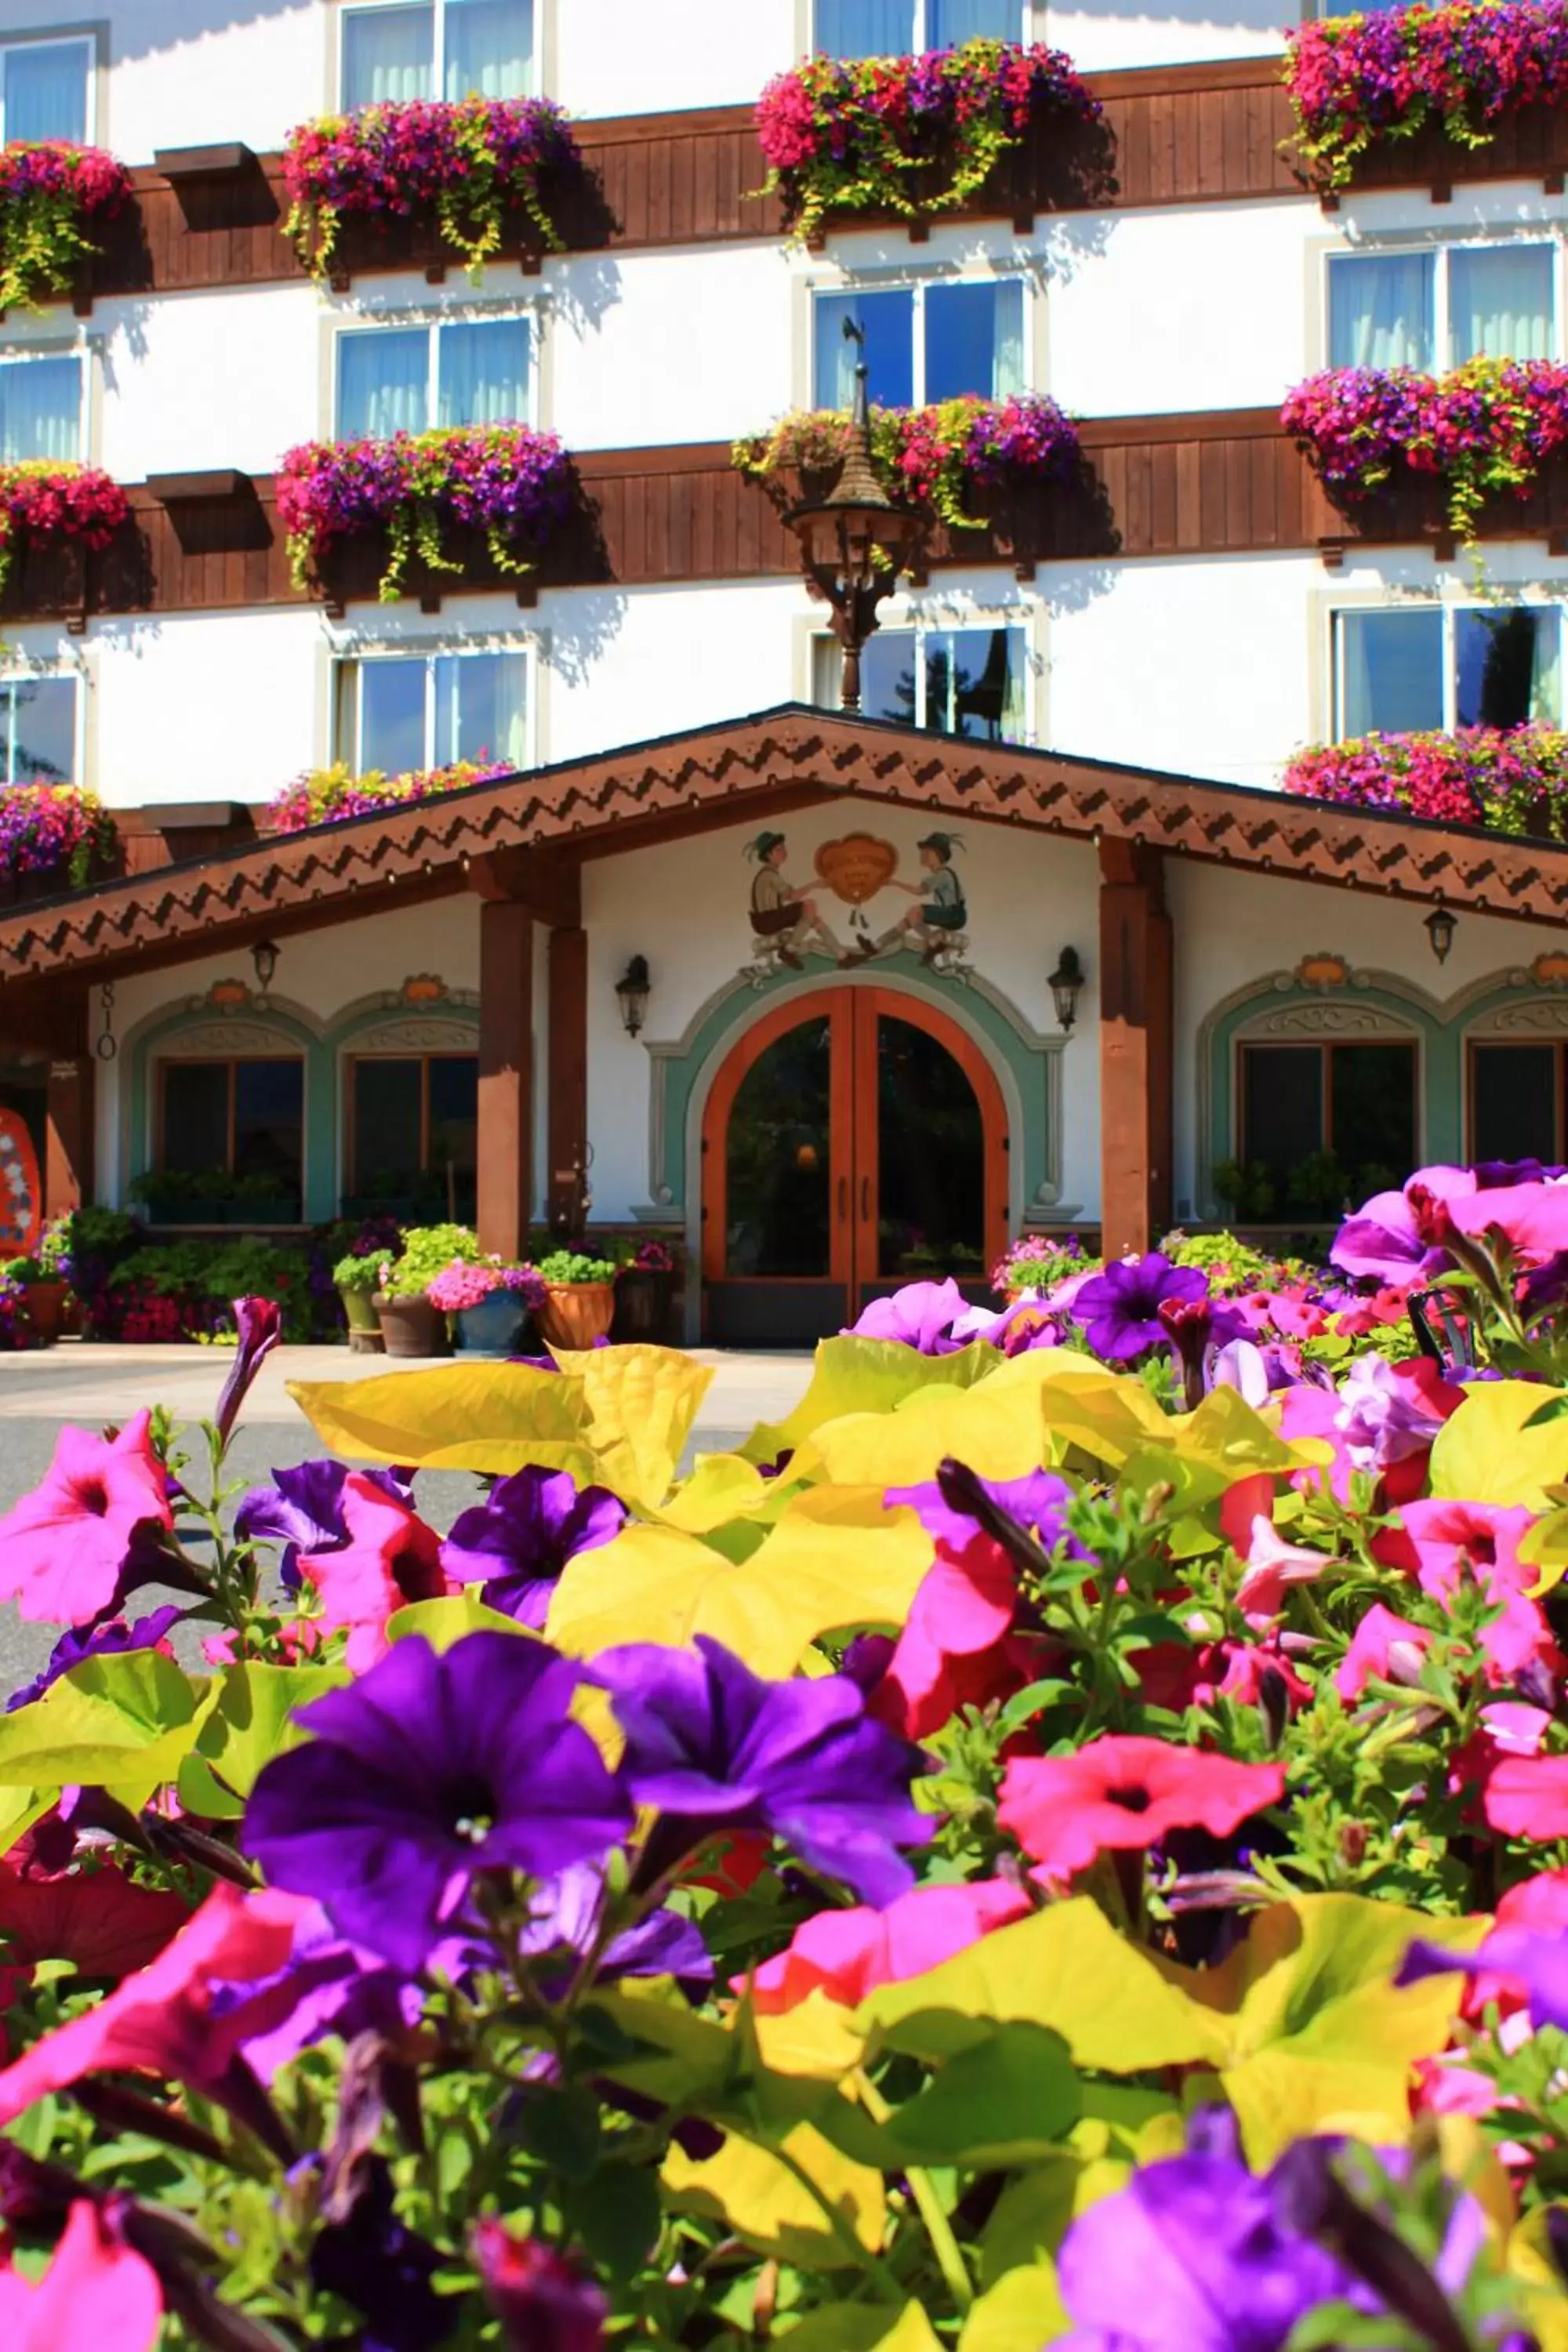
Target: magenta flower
(1384, 1645)
(390, 1559)
(98, 2294)
(259, 1322)
(429, 1771)
(1397, 1238)
(70, 1549)
(920, 1315)
(543, 2301)
(303, 1510)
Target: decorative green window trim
(210, 1026)
(1027, 1066)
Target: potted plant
(185, 1196)
(43, 1295)
(261, 1200)
(410, 1325)
(645, 1292)
(357, 1279)
(579, 1302)
(487, 1306)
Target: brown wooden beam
(1135, 1048)
(506, 1076)
(550, 887)
(568, 1142)
(69, 1120)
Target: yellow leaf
(816, 2037)
(483, 1417)
(765, 2202)
(642, 1587)
(19, 1809)
(641, 1403)
(721, 1487)
(853, 1375)
(861, 2327)
(442, 1623)
(1545, 1546)
(1106, 1416)
(1204, 1452)
(1021, 2311)
(1485, 1452)
(994, 1427)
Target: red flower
(1126, 1792)
(390, 1559)
(97, 1919)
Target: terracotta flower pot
(364, 1322)
(411, 1326)
(46, 1304)
(576, 1314)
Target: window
(1447, 666)
(441, 49)
(406, 379)
(37, 717)
(245, 1117)
(40, 409)
(412, 1118)
(46, 91)
(923, 342)
(1323, 1123)
(1517, 1095)
(398, 714)
(950, 681)
(1438, 308)
(901, 29)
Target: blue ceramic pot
(494, 1328)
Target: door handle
(843, 1199)
(865, 1197)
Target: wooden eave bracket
(221, 162)
(1332, 552)
(180, 489)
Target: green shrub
(563, 1266)
(358, 1273)
(426, 1251)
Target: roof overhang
(493, 836)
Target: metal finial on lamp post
(856, 542)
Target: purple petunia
(303, 1510)
(920, 1316)
(516, 1543)
(715, 1747)
(1120, 1308)
(429, 1771)
(112, 1640)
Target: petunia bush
(1511, 778)
(52, 194)
(463, 161)
(42, 500)
(1356, 80)
(1487, 426)
(911, 136)
(58, 829)
(936, 456)
(1063, 1839)
(325, 795)
(505, 480)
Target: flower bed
(1514, 779)
(463, 162)
(327, 795)
(505, 481)
(41, 500)
(1357, 79)
(933, 457)
(1490, 425)
(1090, 1785)
(51, 194)
(911, 136)
(61, 830)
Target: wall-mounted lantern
(632, 992)
(1066, 986)
(1440, 927)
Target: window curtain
(1499, 303)
(1391, 672)
(489, 48)
(481, 708)
(484, 373)
(974, 340)
(392, 717)
(889, 321)
(950, 22)
(1380, 310)
(384, 382)
(40, 411)
(387, 55)
(865, 28)
(46, 91)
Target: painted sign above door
(792, 920)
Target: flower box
(52, 837)
(428, 181)
(53, 196)
(909, 137)
(1509, 780)
(411, 498)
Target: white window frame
(1447, 609)
(1441, 249)
(26, 355)
(66, 38)
(973, 625)
(348, 726)
(918, 282)
(1023, 10)
(438, 39)
(36, 676)
(435, 323)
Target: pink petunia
(1385, 1645)
(390, 1559)
(1532, 1218)
(1527, 1796)
(1126, 1792)
(1272, 1567)
(848, 1953)
(65, 1547)
(1440, 1541)
(96, 2295)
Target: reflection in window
(390, 53)
(45, 90)
(245, 1118)
(413, 1130)
(1391, 672)
(778, 1170)
(923, 342)
(425, 711)
(38, 719)
(1505, 666)
(1323, 1124)
(898, 29)
(1379, 309)
(970, 682)
(1448, 666)
(1516, 1101)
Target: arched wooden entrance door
(854, 1140)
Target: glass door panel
(931, 1160)
(778, 1159)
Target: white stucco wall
(202, 706)
(193, 382)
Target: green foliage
(358, 1272)
(428, 1251)
(563, 1266)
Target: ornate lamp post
(856, 542)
